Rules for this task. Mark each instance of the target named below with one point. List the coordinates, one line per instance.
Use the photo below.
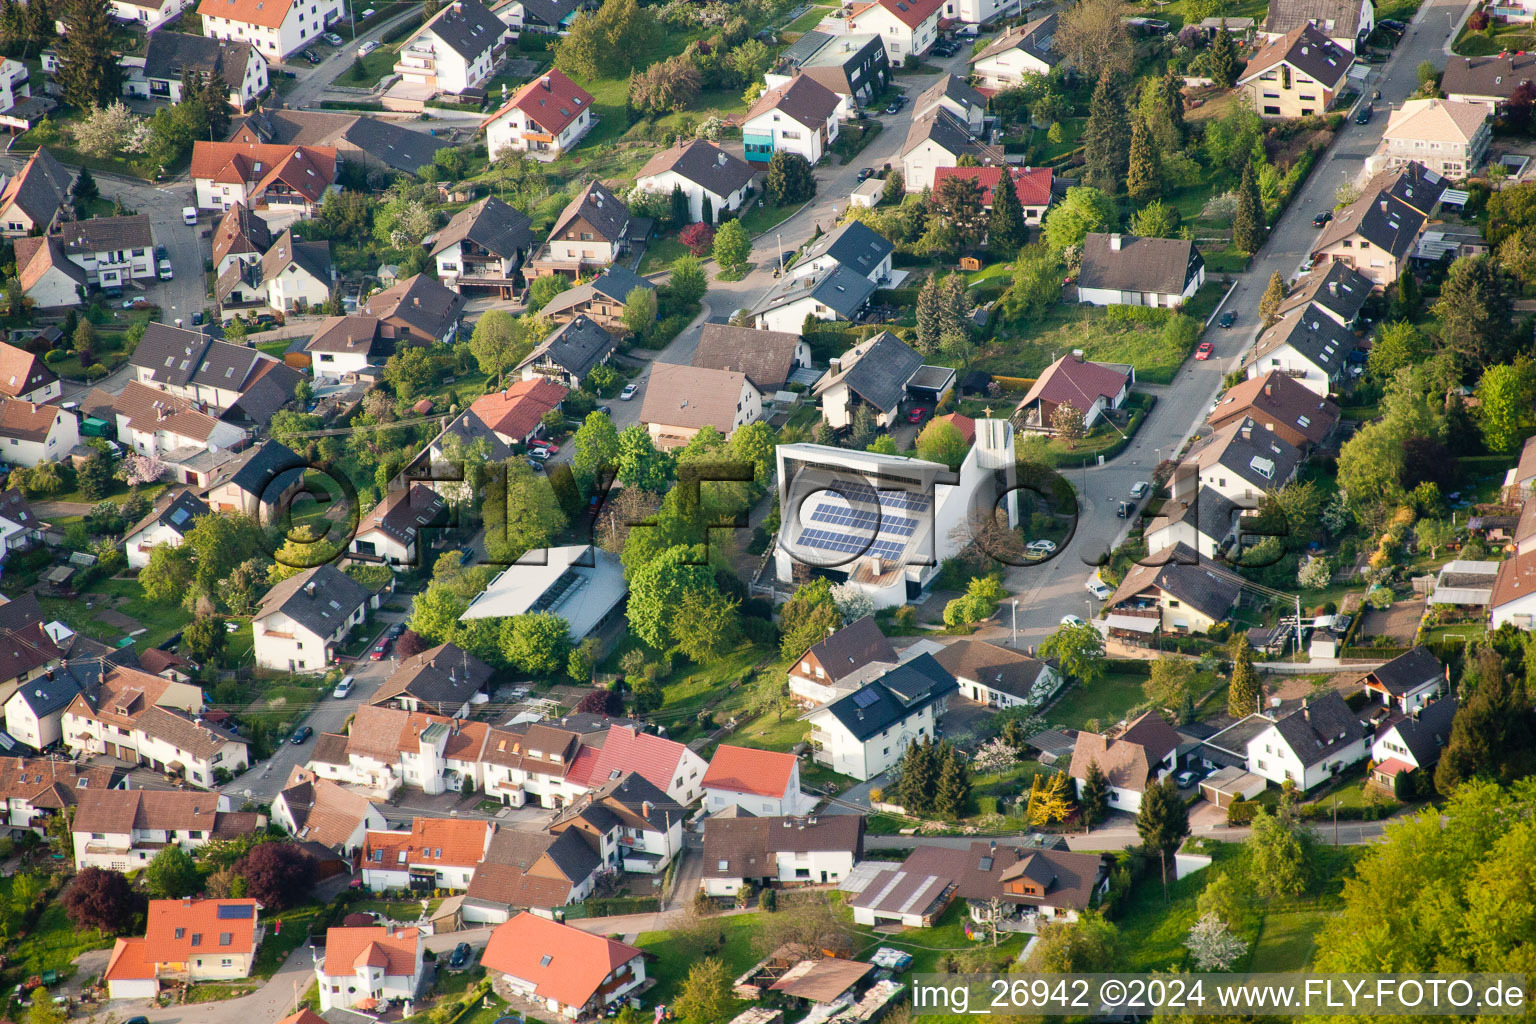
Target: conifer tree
(1006, 230)
(1144, 174)
(1095, 799)
(1223, 60)
(88, 70)
(1107, 136)
(1248, 222)
(1269, 302)
(1244, 691)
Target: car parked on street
(381, 649)
(1073, 620)
(549, 447)
(343, 688)
(1364, 117)
(395, 630)
(1322, 219)
(1203, 350)
(302, 734)
(333, 39)
(628, 392)
(1040, 548)
(368, 47)
(1139, 489)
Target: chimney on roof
(1383, 206)
(415, 300)
(645, 808)
(1306, 710)
(1333, 288)
(309, 588)
(1114, 242)
(1077, 355)
(1269, 388)
(544, 81)
(1247, 431)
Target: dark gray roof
(467, 27)
(1392, 209)
(1497, 76)
(1034, 38)
(841, 289)
(172, 54)
(1408, 672)
(314, 258)
(880, 373)
(394, 146)
(269, 393)
(99, 234)
(577, 346)
(942, 126)
(420, 302)
(1182, 573)
(470, 428)
(176, 509)
(599, 207)
(45, 695)
(614, 283)
(445, 677)
(262, 465)
(1337, 18)
(703, 163)
(853, 244)
(1319, 728)
(1161, 265)
(553, 12)
(494, 226)
(1314, 334)
(748, 846)
(950, 87)
(893, 697)
(995, 667)
(1253, 452)
(40, 187)
(1306, 49)
(1425, 733)
(766, 357)
(320, 608)
(802, 98)
(1336, 287)
(1215, 514)
(802, 49)
(848, 650)
(172, 354)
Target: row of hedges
(350, 105)
(610, 906)
(1013, 383)
(1137, 415)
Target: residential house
(279, 179)
(712, 179)
(582, 584)
(1405, 744)
(855, 67)
(666, 764)
(32, 650)
(1448, 137)
(260, 483)
(852, 244)
(546, 117)
(367, 967)
(952, 94)
(938, 139)
(532, 765)
(601, 299)
(240, 236)
(979, 12)
(111, 250)
(20, 528)
(171, 55)
(768, 358)
(292, 276)
(1031, 184)
(442, 680)
(800, 116)
(1127, 270)
(303, 619)
(1346, 23)
(1241, 460)
(160, 425)
(1094, 389)
(145, 719)
(344, 346)
(437, 853)
(482, 247)
(572, 350)
(25, 377)
(1489, 80)
(1336, 288)
(1308, 346)
(571, 972)
(123, 829)
(1131, 762)
(275, 27)
(866, 732)
(34, 789)
(841, 664)
(34, 713)
(187, 941)
(1170, 591)
(997, 677)
(371, 142)
(682, 400)
(416, 311)
(537, 871)
(390, 747)
(1377, 232)
(908, 27)
(146, 14)
(837, 293)
(19, 109)
(1305, 744)
(1027, 49)
(1280, 404)
(48, 276)
(516, 413)
(1296, 75)
(34, 197)
(246, 385)
(629, 821)
(761, 782)
(392, 532)
(32, 433)
(1514, 588)
(547, 16)
(763, 851)
(455, 50)
(1204, 519)
(317, 810)
(1035, 883)
(1407, 683)
(880, 373)
(172, 515)
(593, 230)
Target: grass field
(1025, 351)
(160, 622)
(675, 954)
(53, 943)
(1108, 701)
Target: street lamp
(1015, 640)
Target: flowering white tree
(107, 130)
(1213, 945)
(1315, 573)
(852, 603)
(143, 469)
(995, 755)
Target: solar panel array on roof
(897, 526)
(864, 698)
(849, 544)
(235, 912)
(556, 591)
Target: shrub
(699, 238)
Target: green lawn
(809, 20)
(659, 254)
(766, 217)
(276, 947)
(932, 947)
(1286, 940)
(1107, 700)
(52, 944)
(160, 622)
(675, 954)
(364, 72)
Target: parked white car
(1098, 588)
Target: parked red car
(544, 446)
(1203, 351)
(916, 415)
(380, 649)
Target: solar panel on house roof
(864, 698)
(179, 516)
(235, 912)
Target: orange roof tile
(516, 410)
(266, 13)
(563, 963)
(180, 928)
(445, 842)
(128, 961)
(748, 770)
(307, 169)
(347, 948)
(551, 101)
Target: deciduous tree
(789, 179)
(1269, 302)
(1080, 211)
(172, 875)
(101, 899)
(538, 642)
(497, 344)
(732, 246)
(278, 874)
(1079, 649)
(1093, 37)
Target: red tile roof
(627, 750)
(910, 13)
(128, 961)
(443, 842)
(266, 13)
(1031, 184)
(748, 770)
(309, 170)
(516, 411)
(181, 928)
(563, 963)
(347, 948)
(962, 423)
(551, 101)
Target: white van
(189, 214)
(343, 688)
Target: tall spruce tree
(1095, 799)
(952, 792)
(1107, 136)
(1244, 691)
(919, 777)
(1163, 820)
(1269, 302)
(1248, 222)
(13, 25)
(1144, 174)
(1223, 60)
(39, 21)
(1006, 230)
(679, 206)
(88, 70)
(1173, 107)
